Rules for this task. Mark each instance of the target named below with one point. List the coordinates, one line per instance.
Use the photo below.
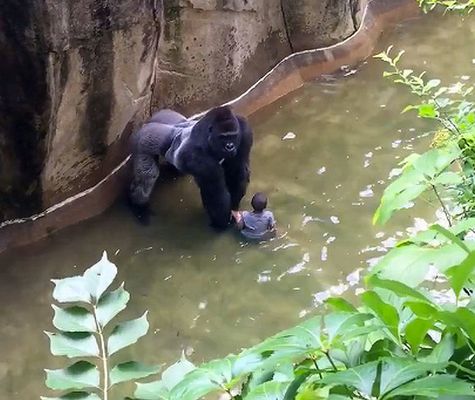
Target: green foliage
(86, 310)
(399, 341)
(389, 347)
(449, 5)
(448, 168)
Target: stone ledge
(288, 75)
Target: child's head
(259, 202)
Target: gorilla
(214, 149)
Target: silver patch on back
(179, 142)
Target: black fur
(214, 149)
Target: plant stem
(318, 369)
(327, 353)
(448, 119)
(444, 208)
(105, 366)
(461, 368)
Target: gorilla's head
(224, 135)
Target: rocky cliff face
(77, 76)
(213, 50)
(75, 79)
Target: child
(258, 224)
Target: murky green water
(211, 294)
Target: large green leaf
(131, 370)
(461, 318)
(361, 377)
(419, 173)
(442, 352)
(351, 353)
(458, 274)
(398, 371)
(397, 287)
(73, 319)
(152, 391)
(340, 304)
(416, 331)
(127, 333)
(339, 323)
(111, 304)
(99, 277)
(410, 264)
(434, 386)
(87, 288)
(176, 372)
(291, 344)
(71, 290)
(422, 309)
(269, 391)
(80, 375)
(384, 311)
(74, 396)
(210, 377)
(450, 236)
(77, 344)
(246, 363)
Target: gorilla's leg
(145, 171)
(168, 117)
(215, 197)
(236, 169)
(237, 179)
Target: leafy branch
(87, 309)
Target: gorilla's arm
(236, 169)
(216, 200)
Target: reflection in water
(323, 155)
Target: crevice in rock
(157, 9)
(98, 64)
(354, 9)
(286, 26)
(24, 107)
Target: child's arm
(238, 219)
(271, 222)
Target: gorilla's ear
(222, 119)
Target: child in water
(258, 224)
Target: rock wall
(312, 24)
(213, 50)
(79, 75)
(76, 78)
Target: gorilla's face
(227, 144)
(224, 134)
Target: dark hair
(259, 202)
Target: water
(210, 294)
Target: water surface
(210, 294)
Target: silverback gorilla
(213, 149)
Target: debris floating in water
(289, 136)
(368, 192)
(324, 253)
